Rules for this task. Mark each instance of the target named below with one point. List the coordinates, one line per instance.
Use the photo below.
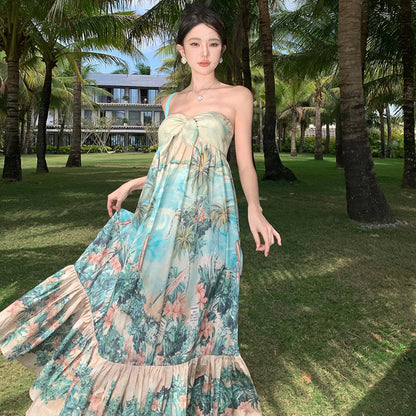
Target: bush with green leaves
(86, 148)
(118, 148)
(309, 145)
(145, 148)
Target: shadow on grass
(23, 270)
(395, 394)
(15, 404)
(328, 314)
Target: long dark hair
(195, 14)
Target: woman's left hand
(260, 226)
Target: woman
(145, 322)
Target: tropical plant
(274, 166)
(16, 21)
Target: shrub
(118, 148)
(64, 149)
(145, 148)
(309, 145)
(154, 148)
(256, 147)
(397, 143)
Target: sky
(149, 49)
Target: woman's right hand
(116, 198)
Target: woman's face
(202, 48)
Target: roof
(128, 80)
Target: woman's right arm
(116, 198)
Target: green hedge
(90, 148)
(374, 140)
(309, 145)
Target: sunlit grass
(327, 321)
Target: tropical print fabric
(145, 322)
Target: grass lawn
(327, 321)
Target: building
(127, 108)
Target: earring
(183, 60)
(221, 60)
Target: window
(144, 96)
(116, 116)
(116, 139)
(118, 94)
(88, 115)
(151, 96)
(158, 117)
(137, 140)
(135, 118)
(134, 95)
(147, 117)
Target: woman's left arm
(259, 226)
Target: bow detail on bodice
(208, 127)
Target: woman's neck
(200, 83)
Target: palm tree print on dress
(146, 321)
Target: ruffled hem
(51, 330)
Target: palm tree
(408, 56)
(365, 200)
(15, 23)
(295, 92)
(274, 166)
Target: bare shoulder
(238, 92)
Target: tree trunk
(29, 129)
(388, 119)
(22, 118)
(318, 125)
(338, 143)
(42, 167)
(74, 158)
(274, 167)
(328, 139)
(245, 45)
(365, 18)
(293, 151)
(365, 200)
(61, 132)
(302, 134)
(407, 43)
(12, 170)
(261, 125)
(382, 135)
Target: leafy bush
(64, 149)
(309, 145)
(397, 143)
(86, 148)
(118, 148)
(256, 147)
(145, 148)
(93, 148)
(131, 148)
(154, 148)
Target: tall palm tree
(15, 24)
(365, 200)
(408, 57)
(274, 166)
(295, 92)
